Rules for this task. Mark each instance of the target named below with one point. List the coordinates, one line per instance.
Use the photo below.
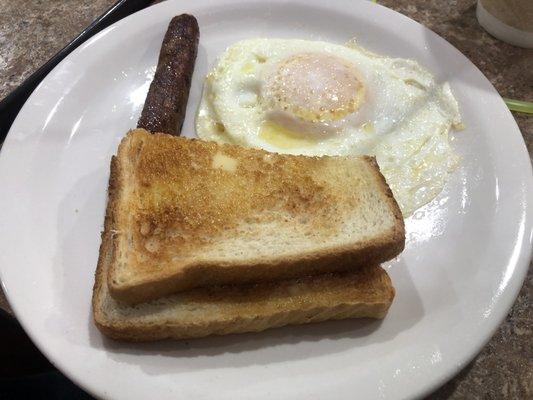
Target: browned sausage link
(164, 108)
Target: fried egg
(318, 98)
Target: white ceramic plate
(466, 255)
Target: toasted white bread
(366, 292)
(190, 213)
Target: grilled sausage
(166, 102)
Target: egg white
(404, 121)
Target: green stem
(520, 106)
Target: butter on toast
(190, 213)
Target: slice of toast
(190, 213)
(221, 310)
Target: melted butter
(224, 162)
(368, 127)
(284, 138)
(247, 67)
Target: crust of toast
(197, 273)
(365, 293)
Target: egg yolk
(314, 87)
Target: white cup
(508, 20)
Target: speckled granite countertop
(31, 31)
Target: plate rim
(521, 264)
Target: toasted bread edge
(341, 258)
(137, 333)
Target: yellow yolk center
(314, 87)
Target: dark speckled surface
(31, 31)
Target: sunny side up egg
(317, 98)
